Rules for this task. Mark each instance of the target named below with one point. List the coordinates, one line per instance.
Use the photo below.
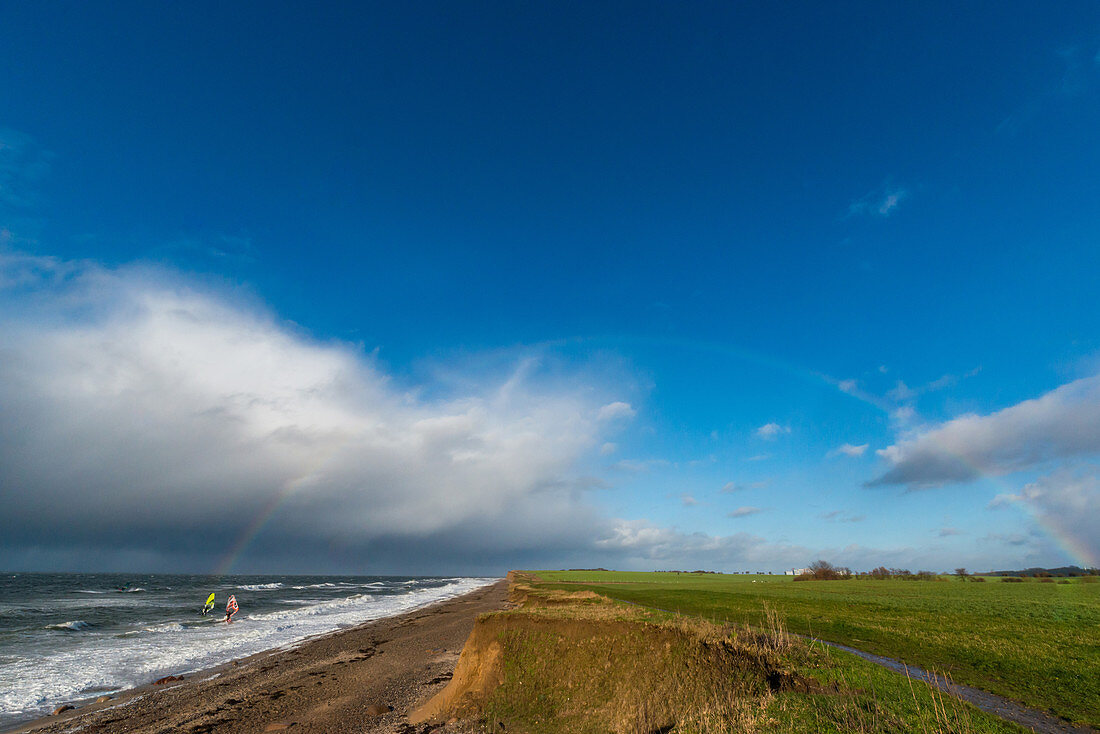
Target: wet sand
(363, 679)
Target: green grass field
(1037, 643)
(578, 663)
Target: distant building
(797, 571)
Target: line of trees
(825, 571)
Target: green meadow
(1037, 643)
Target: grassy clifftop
(1037, 641)
(576, 661)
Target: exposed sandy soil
(329, 684)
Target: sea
(71, 637)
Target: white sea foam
(77, 625)
(32, 686)
(262, 587)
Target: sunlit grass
(582, 663)
(1038, 643)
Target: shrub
(1012, 579)
(824, 571)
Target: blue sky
(461, 287)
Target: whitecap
(77, 625)
(33, 685)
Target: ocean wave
(77, 625)
(134, 590)
(135, 657)
(262, 587)
(89, 591)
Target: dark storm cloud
(141, 414)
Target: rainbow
(1073, 547)
(252, 530)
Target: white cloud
(636, 466)
(759, 457)
(842, 516)
(688, 501)
(901, 392)
(641, 545)
(1060, 424)
(1069, 501)
(849, 450)
(848, 386)
(1010, 539)
(608, 448)
(744, 512)
(881, 202)
(616, 410)
(730, 487)
(948, 532)
(770, 431)
(143, 412)
(903, 415)
(890, 201)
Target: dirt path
(1033, 719)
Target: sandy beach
(363, 679)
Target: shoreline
(330, 682)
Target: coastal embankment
(366, 678)
(567, 660)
